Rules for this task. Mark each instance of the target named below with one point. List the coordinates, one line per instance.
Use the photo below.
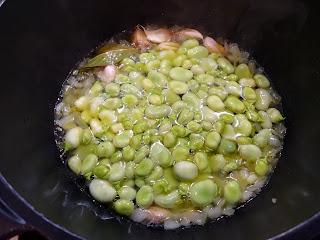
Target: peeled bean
(250, 152)
(212, 140)
(233, 88)
(122, 140)
(234, 104)
(247, 82)
(215, 103)
(203, 193)
(105, 149)
(275, 115)
(129, 170)
(225, 65)
(167, 200)
(227, 147)
(124, 206)
(208, 64)
(156, 112)
(180, 153)
(89, 163)
(185, 116)
(74, 164)
(178, 87)
(249, 94)
(209, 115)
(219, 91)
(266, 121)
(261, 81)
(102, 190)
(144, 168)
(127, 193)
(159, 79)
(117, 171)
(261, 167)
(201, 160)
(261, 139)
(156, 174)
(180, 74)
(192, 100)
(232, 192)
(161, 155)
(185, 170)
(243, 71)
(198, 52)
(217, 162)
(144, 197)
(263, 99)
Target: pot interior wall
(42, 41)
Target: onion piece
(139, 38)
(158, 35)
(187, 33)
(213, 46)
(108, 74)
(157, 214)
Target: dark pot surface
(40, 43)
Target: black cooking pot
(41, 41)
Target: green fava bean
(159, 79)
(250, 152)
(185, 116)
(261, 81)
(156, 112)
(198, 52)
(124, 207)
(218, 91)
(263, 99)
(227, 147)
(232, 192)
(249, 94)
(178, 87)
(225, 65)
(156, 174)
(275, 115)
(169, 140)
(180, 153)
(74, 164)
(261, 167)
(117, 171)
(243, 71)
(180, 74)
(144, 197)
(167, 200)
(89, 163)
(262, 137)
(217, 162)
(122, 140)
(203, 193)
(127, 193)
(105, 149)
(102, 191)
(190, 43)
(161, 155)
(185, 170)
(101, 171)
(215, 103)
(234, 104)
(212, 140)
(208, 64)
(201, 160)
(144, 168)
